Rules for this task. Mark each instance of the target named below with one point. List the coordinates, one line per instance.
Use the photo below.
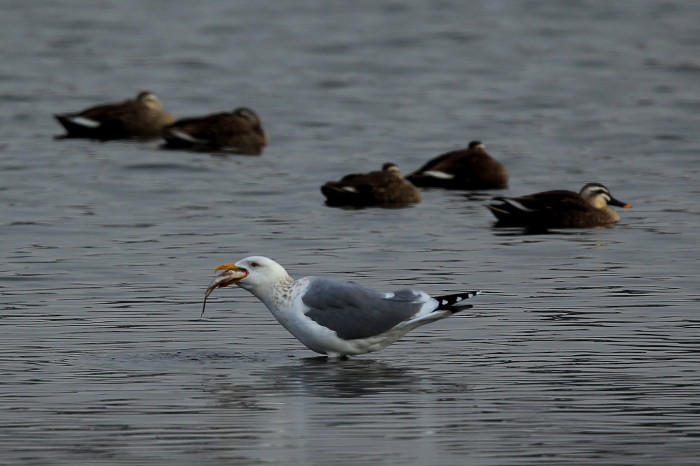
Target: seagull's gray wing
(353, 311)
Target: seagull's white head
(257, 274)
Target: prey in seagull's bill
(230, 275)
(333, 317)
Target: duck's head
(393, 169)
(599, 196)
(252, 120)
(150, 100)
(477, 145)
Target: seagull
(334, 317)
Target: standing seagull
(142, 117)
(333, 317)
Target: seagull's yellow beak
(231, 274)
(231, 266)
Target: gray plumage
(333, 317)
(354, 311)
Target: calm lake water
(584, 347)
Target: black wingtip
(456, 309)
(454, 302)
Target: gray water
(582, 349)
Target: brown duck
(142, 117)
(559, 209)
(470, 168)
(240, 130)
(386, 188)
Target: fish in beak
(231, 275)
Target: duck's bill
(619, 203)
(230, 276)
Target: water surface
(582, 349)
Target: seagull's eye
(254, 265)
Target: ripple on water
(582, 349)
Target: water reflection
(104, 256)
(531, 231)
(477, 196)
(338, 379)
(319, 377)
(220, 151)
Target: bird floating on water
(142, 117)
(470, 168)
(333, 317)
(387, 188)
(239, 131)
(559, 209)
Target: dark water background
(583, 348)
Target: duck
(386, 187)
(334, 317)
(470, 168)
(591, 207)
(240, 130)
(142, 117)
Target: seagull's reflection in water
(320, 377)
(347, 378)
(311, 401)
(316, 377)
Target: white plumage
(334, 317)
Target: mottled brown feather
(556, 209)
(241, 129)
(470, 168)
(142, 117)
(381, 188)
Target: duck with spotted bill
(333, 317)
(559, 209)
(470, 168)
(386, 188)
(142, 117)
(239, 131)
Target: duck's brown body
(142, 117)
(470, 168)
(383, 188)
(558, 209)
(240, 129)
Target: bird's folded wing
(354, 311)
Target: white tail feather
(439, 174)
(86, 122)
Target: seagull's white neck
(273, 293)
